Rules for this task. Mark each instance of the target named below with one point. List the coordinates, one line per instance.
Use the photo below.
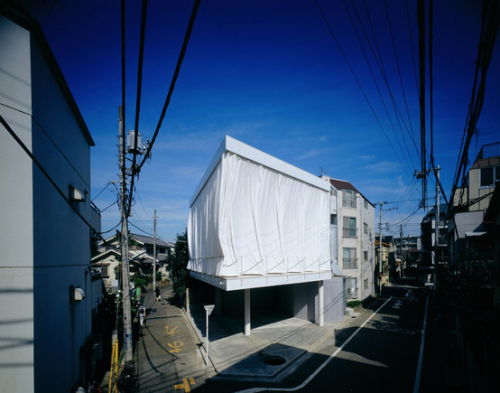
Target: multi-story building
(354, 228)
(47, 295)
(470, 204)
(428, 227)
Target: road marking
(418, 376)
(176, 346)
(185, 384)
(325, 363)
(172, 330)
(398, 304)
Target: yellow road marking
(185, 384)
(176, 346)
(172, 331)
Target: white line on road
(416, 386)
(310, 378)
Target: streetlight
(208, 310)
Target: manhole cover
(274, 360)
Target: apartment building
(354, 226)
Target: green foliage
(177, 264)
(353, 303)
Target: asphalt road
(376, 352)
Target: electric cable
(172, 83)
(45, 173)
(399, 68)
(357, 81)
(375, 81)
(380, 64)
(138, 102)
(49, 138)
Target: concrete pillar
(321, 303)
(247, 312)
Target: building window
(365, 203)
(490, 176)
(365, 256)
(104, 271)
(486, 177)
(349, 258)
(349, 227)
(365, 228)
(349, 199)
(365, 283)
(333, 219)
(352, 290)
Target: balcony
(350, 263)
(350, 232)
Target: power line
(138, 100)
(45, 173)
(373, 76)
(49, 138)
(489, 29)
(172, 83)
(357, 80)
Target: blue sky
(270, 74)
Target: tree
(177, 265)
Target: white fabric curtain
(251, 220)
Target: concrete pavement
(171, 354)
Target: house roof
(486, 162)
(345, 185)
(104, 255)
(143, 240)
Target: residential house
(388, 254)
(466, 226)
(355, 239)
(108, 261)
(428, 228)
(408, 252)
(48, 294)
(259, 237)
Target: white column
(321, 303)
(247, 312)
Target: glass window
(366, 283)
(365, 255)
(349, 258)
(486, 177)
(349, 227)
(349, 199)
(365, 227)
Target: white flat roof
(259, 157)
(270, 280)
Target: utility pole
(127, 315)
(380, 247)
(154, 256)
(436, 245)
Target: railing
(490, 150)
(350, 263)
(350, 232)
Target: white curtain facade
(251, 220)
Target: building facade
(354, 228)
(47, 295)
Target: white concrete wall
(61, 238)
(45, 245)
(16, 214)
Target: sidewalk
(168, 350)
(171, 352)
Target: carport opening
(274, 360)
